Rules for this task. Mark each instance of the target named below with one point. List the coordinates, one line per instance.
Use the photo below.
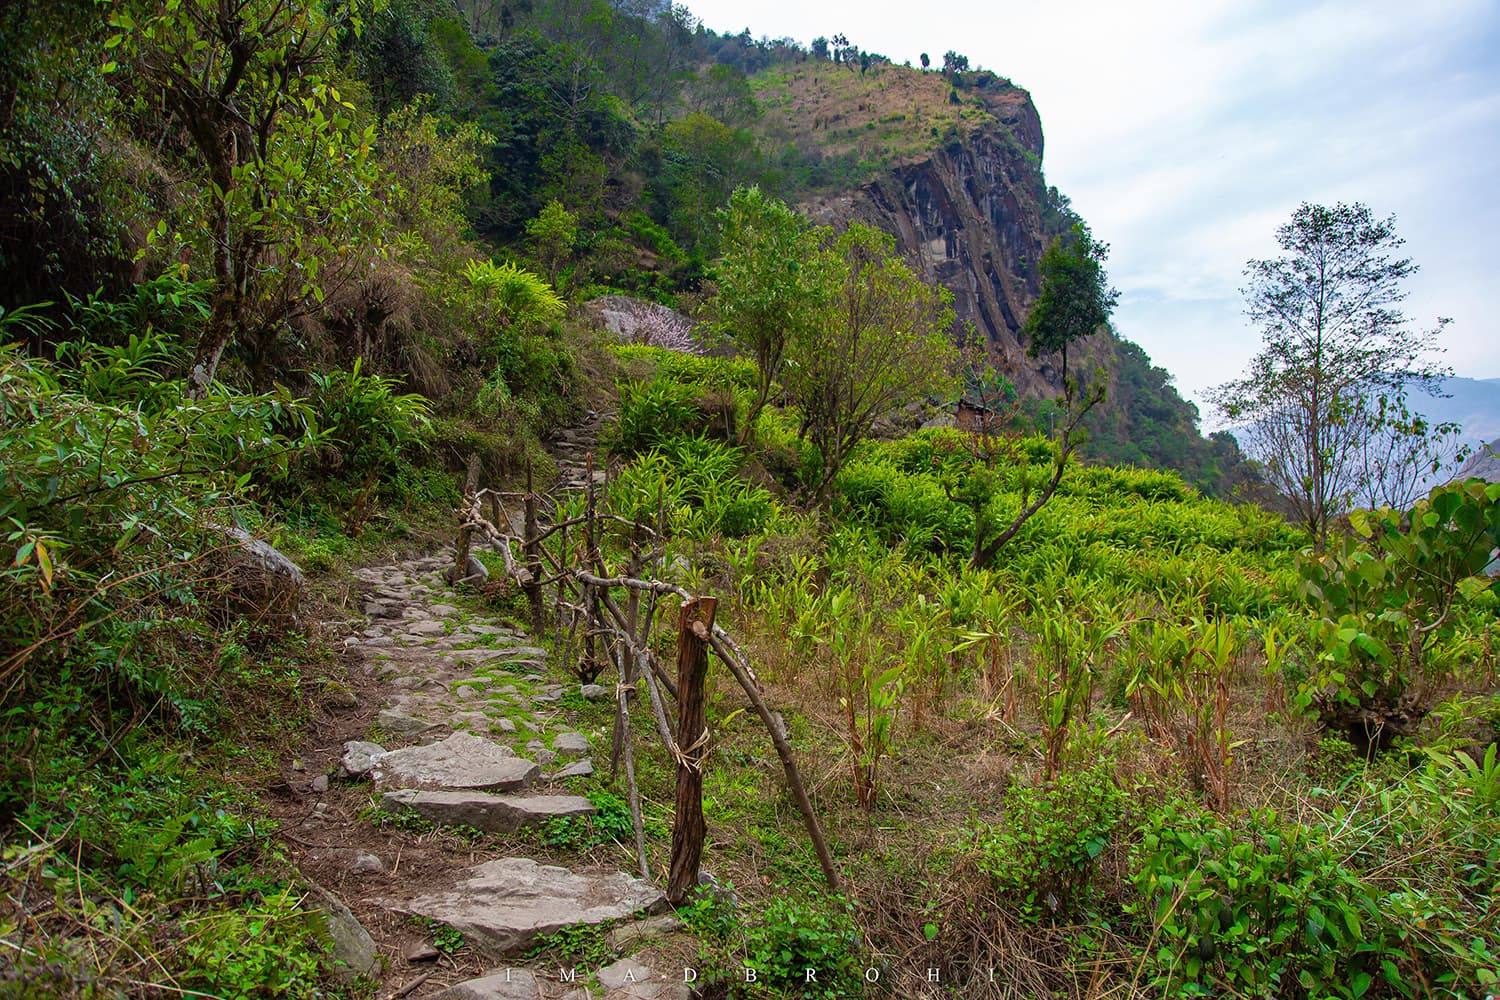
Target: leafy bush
(112, 516)
(905, 508)
(258, 950)
(367, 424)
(1258, 909)
(1042, 855)
(610, 823)
(794, 935)
(367, 428)
(652, 413)
(697, 483)
(168, 309)
(1385, 596)
(1380, 897)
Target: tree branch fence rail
(614, 611)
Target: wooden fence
(607, 614)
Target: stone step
(462, 761)
(486, 812)
(502, 907)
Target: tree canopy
(1338, 354)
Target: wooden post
(587, 667)
(533, 560)
(471, 487)
(750, 684)
(695, 627)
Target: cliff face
(970, 214)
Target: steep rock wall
(970, 215)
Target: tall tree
(879, 341)
(288, 172)
(1075, 301)
(771, 283)
(1335, 344)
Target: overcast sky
(1186, 132)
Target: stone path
(483, 744)
(570, 447)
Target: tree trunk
(695, 629)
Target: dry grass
(887, 116)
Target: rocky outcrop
(970, 214)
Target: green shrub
(652, 413)
(112, 519)
(794, 935)
(1041, 857)
(1393, 895)
(697, 483)
(260, 950)
(905, 508)
(1388, 594)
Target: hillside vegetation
(284, 283)
(877, 118)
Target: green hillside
(338, 539)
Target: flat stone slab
(577, 769)
(507, 984)
(393, 720)
(498, 657)
(486, 812)
(349, 859)
(632, 979)
(573, 743)
(502, 907)
(461, 761)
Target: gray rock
(501, 907)
(504, 725)
(339, 696)
(469, 720)
(416, 683)
(571, 743)
(460, 761)
(393, 720)
(594, 692)
(318, 785)
(521, 653)
(482, 811)
(359, 757)
(507, 984)
(349, 859)
(421, 952)
(263, 576)
(442, 610)
(632, 979)
(266, 558)
(474, 572)
(631, 935)
(426, 627)
(353, 949)
(577, 769)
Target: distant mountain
(1472, 403)
(1485, 464)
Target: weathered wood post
(695, 627)
(533, 552)
(466, 515)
